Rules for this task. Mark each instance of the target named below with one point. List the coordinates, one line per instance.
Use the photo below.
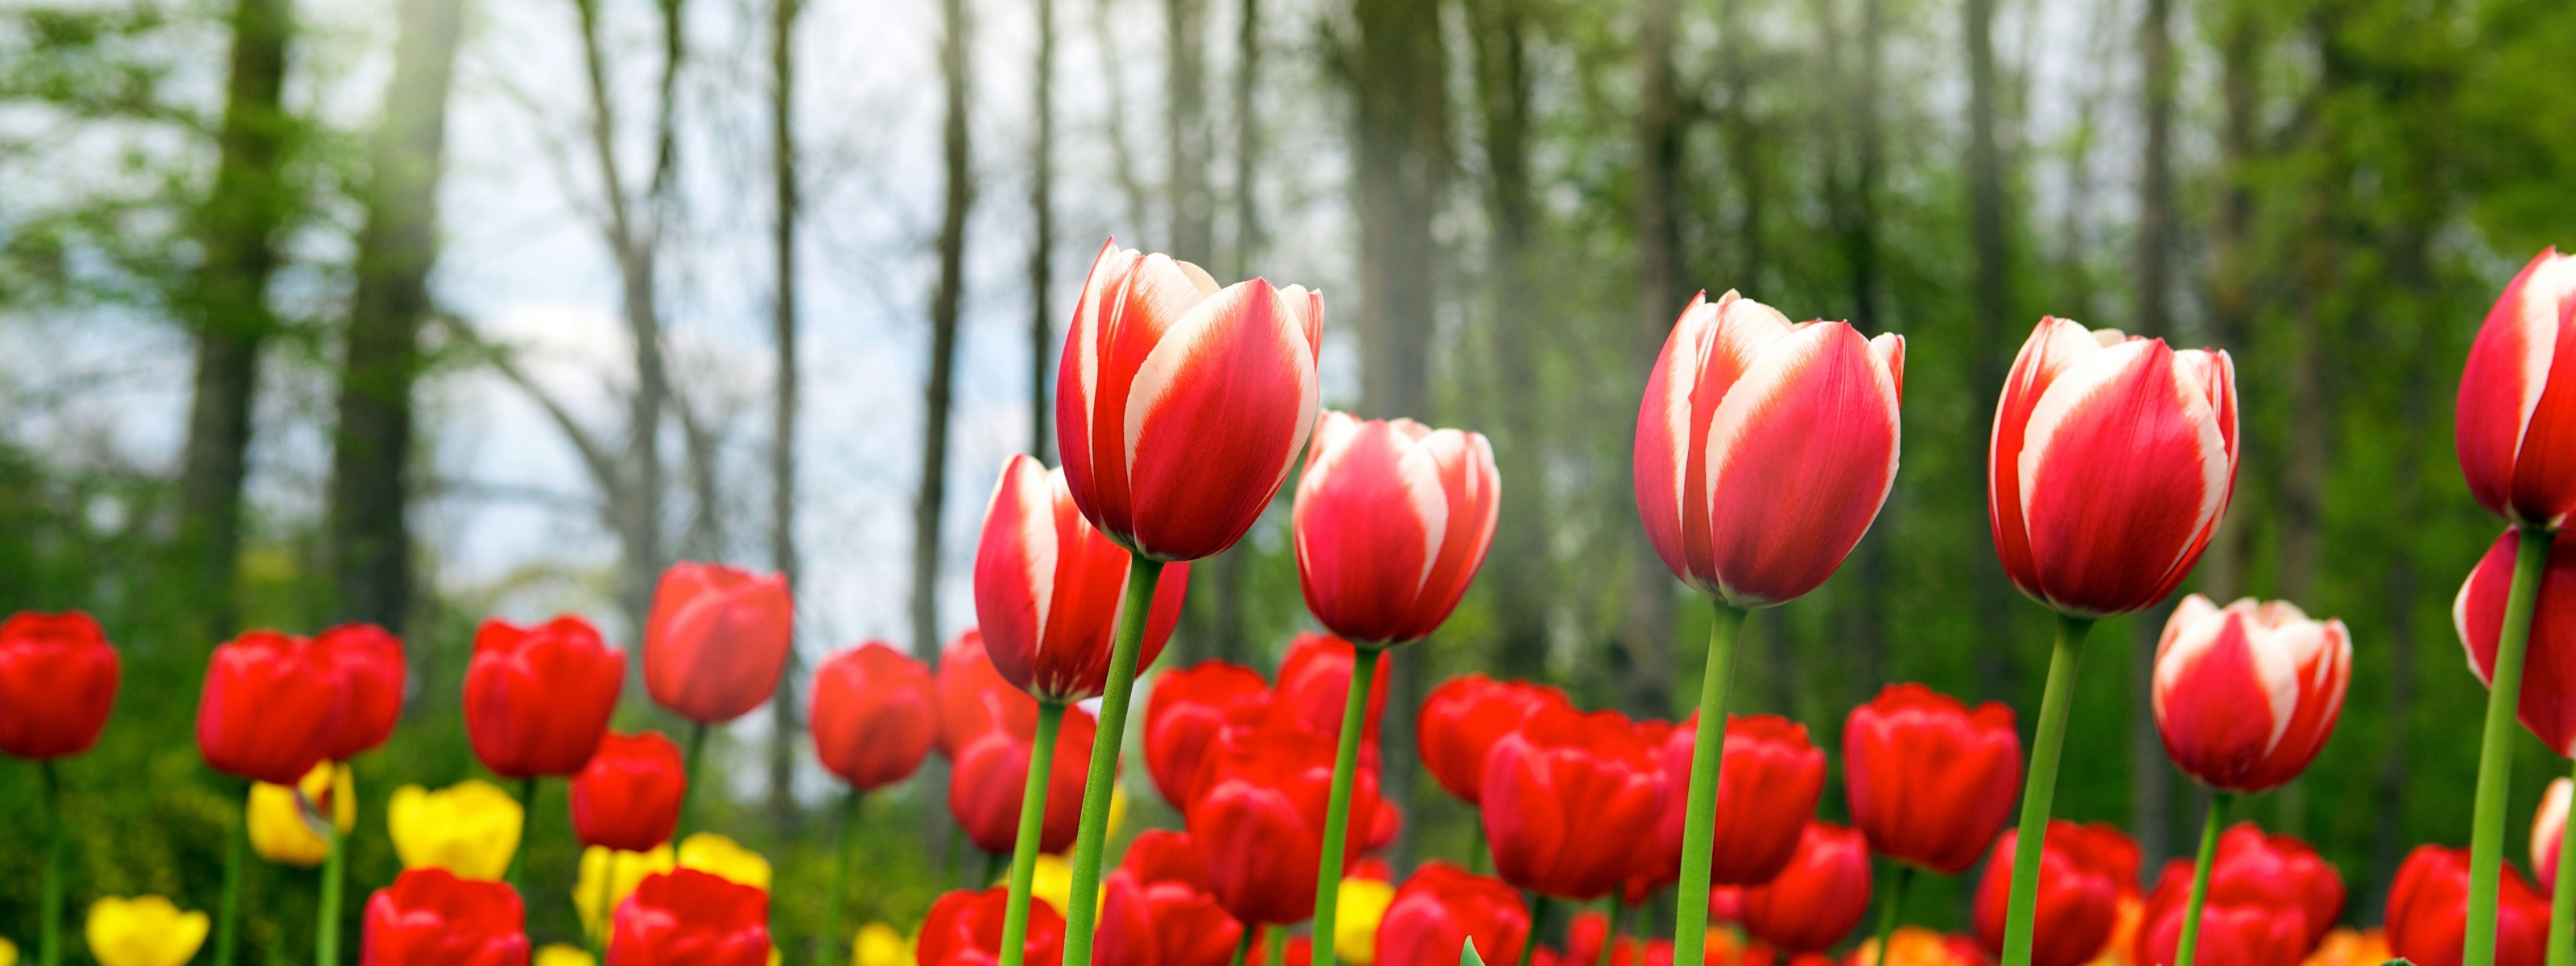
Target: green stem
(326, 927)
(689, 781)
(994, 864)
(840, 878)
(1337, 804)
(2041, 787)
(228, 910)
(1699, 831)
(1476, 850)
(1610, 931)
(2562, 905)
(1243, 945)
(1142, 574)
(527, 828)
(1024, 849)
(1278, 946)
(2495, 750)
(1538, 923)
(1887, 910)
(607, 906)
(2190, 946)
(49, 934)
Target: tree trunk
(1400, 157)
(1647, 626)
(2231, 284)
(1214, 613)
(1042, 221)
(783, 726)
(1193, 213)
(1113, 75)
(2151, 779)
(1519, 566)
(369, 546)
(1990, 295)
(944, 299)
(1743, 148)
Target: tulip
(716, 640)
(269, 706)
(370, 663)
(1145, 923)
(689, 917)
(2351, 947)
(143, 931)
(1928, 780)
(1441, 908)
(1188, 710)
(629, 796)
(287, 822)
(2245, 696)
(2084, 871)
(2234, 930)
(1360, 905)
(1822, 894)
(965, 929)
(2428, 911)
(2278, 872)
(985, 791)
(537, 699)
(58, 678)
(431, 918)
(2516, 429)
(2548, 836)
(1463, 718)
(1315, 683)
(1048, 589)
(564, 954)
(874, 718)
(470, 829)
(725, 858)
(607, 877)
(879, 944)
(2513, 609)
(1554, 786)
(1917, 946)
(1258, 821)
(1766, 792)
(974, 698)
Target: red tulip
(1818, 898)
(268, 708)
(2112, 460)
(1048, 589)
(875, 715)
(1180, 406)
(2279, 872)
(2428, 911)
(2548, 705)
(370, 663)
(974, 699)
(1554, 787)
(1162, 924)
(1766, 791)
(716, 640)
(58, 679)
(2548, 824)
(1464, 717)
(1159, 856)
(1764, 449)
(2233, 931)
(2517, 408)
(1929, 781)
(429, 917)
(1258, 821)
(2083, 870)
(1314, 684)
(537, 699)
(965, 929)
(2246, 696)
(1392, 519)
(685, 917)
(1441, 908)
(1186, 712)
(628, 797)
(992, 774)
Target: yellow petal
(1052, 882)
(1363, 903)
(1117, 808)
(563, 954)
(143, 931)
(716, 854)
(8, 952)
(630, 868)
(469, 828)
(878, 944)
(278, 831)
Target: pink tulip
(2246, 695)
(1392, 520)
(717, 640)
(2517, 409)
(1048, 586)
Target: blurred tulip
(143, 931)
(965, 929)
(875, 715)
(1554, 786)
(431, 918)
(2235, 930)
(1188, 709)
(1181, 405)
(1160, 855)
(1050, 882)
(991, 776)
(1917, 946)
(1929, 781)
(1767, 790)
(1048, 589)
(1392, 520)
(1820, 896)
(283, 819)
(2548, 825)
(720, 856)
(8, 952)
(2113, 457)
(2548, 705)
(2083, 872)
(2428, 906)
(470, 828)
(1463, 718)
(563, 954)
(1764, 449)
(269, 706)
(2351, 947)
(58, 678)
(689, 918)
(618, 873)
(2245, 696)
(974, 699)
(2280, 872)
(717, 640)
(879, 944)
(628, 797)
(1315, 684)
(1440, 908)
(2122, 950)
(2517, 406)
(1166, 923)
(369, 662)
(1361, 906)
(537, 699)
(1258, 821)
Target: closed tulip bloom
(1392, 519)
(537, 699)
(875, 715)
(143, 931)
(1186, 712)
(1917, 946)
(1179, 405)
(2352, 947)
(1820, 896)
(628, 797)
(717, 640)
(1258, 821)
(724, 858)
(878, 944)
(965, 929)
(2245, 696)
(268, 708)
(689, 918)
(1463, 718)
(1360, 903)
(2235, 930)
(1928, 780)
(2428, 906)
(285, 822)
(1314, 684)
(974, 698)
(1766, 791)
(1551, 790)
(2517, 407)
(58, 679)
(618, 873)
(2548, 823)
(1048, 587)
(2277, 871)
(2083, 871)
(1148, 923)
(370, 663)
(1161, 855)
(2548, 705)
(1764, 449)
(2112, 459)
(992, 773)
(563, 954)
(1442, 907)
(470, 828)
(430, 918)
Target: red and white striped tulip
(2548, 822)
(2246, 695)
(1764, 449)
(1392, 520)
(2517, 410)
(2548, 702)
(1180, 405)
(1048, 587)
(2113, 457)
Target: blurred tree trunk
(1859, 603)
(1131, 186)
(783, 727)
(2151, 779)
(2231, 285)
(1214, 614)
(226, 303)
(1185, 64)
(939, 388)
(1042, 226)
(1518, 568)
(1990, 297)
(1401, 155)
(1743, 141)
(369, 546)
(1648, 625)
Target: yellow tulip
(2349, 947)
(8, 952)
(880, 945)
(716, 854)
(469, 828)
(562, 954)
(144, 931)
(1051, 882)
(630, 867)
(1117, 809)
(1363, 903)
(282, 831)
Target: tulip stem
(1538, 923)
(1888, 908)
(1142, 574)
(607, 905)
(228, 910)
(1024, 849)
(527, 826)
(1610, 930)
(689, 780)
(49, 933)
(1476, 850)
(1699, 829)
(2190, 945)
(1278, 946)
(2041, 787)
(1337, 806)
(2495, 750)
(326, 926)
(2562, 904)
(1243, 945)
(840, 878)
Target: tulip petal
(1802, 453)
(2113, 455)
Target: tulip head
(619, 873)
(1764, 449)
(991, 776)
(1818, 898)
(691, 917)
(717, 640)
(1258, 821)
(878, 944)
(725, 858)
(1392, 519)
(1463, 718)
(2517, 407)
(293, 825)
(1186, 712)
(965, 929)
(2231, 933)
(2548, 705)
(143, 931)
(1315, 684)
(2245, 696)
(58, 678)
(1553, 786)
(1441, 908)
(974, 698)
(431, 918)
(270, 705)
(1144, 923)
(1928, 780)
(875, 715)
(2084, 872)
(470, 828)
(2548, 824)
(537, 699)
(2277, 872)
(628, 797)
(369, 663)
(1766, 791)
(1358, 909)
(1917, 946)
(1048, 588)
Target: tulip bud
(2548, 705)
(991, 777)
(1258, 821)
(1145, 923)
(2245, 697)
(2517, 406)
(1441, 908)
(1929, 781)
(1315, 684)
(470, 828)
(143, 931)
(974, 699)
(1048, 589)
(2235, 930)
(2277, 872)
(878, 944)
(2428, 911)
(1463, 718)
(1552, 787)
(58, 678)
(369, 662)
(717, 640)
(2548, 825)
(611, 875)
(269, 706)
(723, 857)
(965, 929)
(1766, 791)
(1359, 906)
(287, 823)
(1186, 712)
(1818, 898)
(537, 699)
(875, 715)
(628, 798)
(1392, 519)
(430, 916)
(2084, 871)
(713, 921)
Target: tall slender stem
(527, 830)
(2562, 905)
(228, 910)
(823, 955)
(1142, 574)
(689, 781)
(1278, 947)
(2495, 750)
(2190, 946)
(1887, 910)
(1024, 849)
(326, 926)
(1337, 807)
(2041, 788)
(1538, 924)
(1699, 831)
(49, 934)
(1243, 945)
(1610, 930)
(1476, 858)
